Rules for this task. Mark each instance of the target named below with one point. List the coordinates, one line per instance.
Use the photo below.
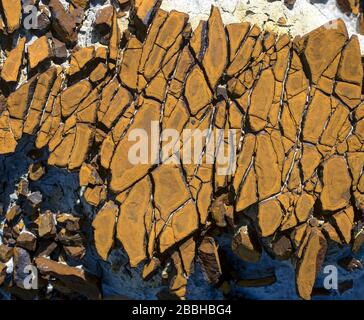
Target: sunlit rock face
(288, 111)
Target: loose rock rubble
(45, 240)
(297, 106)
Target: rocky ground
(75, 85)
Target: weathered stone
(80, 59)
(99, 73)
(38, 52)
(209, 259)
(310, 264)
(246, 246)
(13, 62)
(124, 173)
(323, 45)
(75, 278)
(130, 229)
(266, 168)
(36, 171)
(104, 228)
(73, 96)
(215, 57)
(104, 16)
(59, 50)
(317, 115)
(344, 221)
(304, 207)
(269, 217)
(46, 225)
(95, 195)
(182, 224)
(77, 252)
(236, 33)
(170, 189)
(261, 101)
(6, 252)
(63, 23)
(197, 92)
(12, 14)
(336, 184)
(144, 10)
(70, 222)
(282, 248)
(27, 240)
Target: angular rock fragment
(310, 263)
(46, 225)
(74, 278)
(12, 14)
(197, 92)
(323, 45)
(63, 23)
(215, 57)
(269, 217)
(133, 214)
(13, 63)
(38, 52)
(246, 246)
(209, 259)
(104, 228)
(36, 171)
(336, 184)
(27, 240)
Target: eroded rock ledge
(297, 106)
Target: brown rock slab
(73, 96)
(38, 52)
(269, 217)
(104, 228)
(27, 240)
(322, 46)
(246, 245)
(80, 59)
(170, 189)
(215, 57)
(130, 228)
(310, 263)
(13, 62)
(74, 278)
(6, 252)
(124, 173)
(104, 16)
(261, 100)
(63, 23)
(266, 167)
(46, 225)
(12, 14)
(304, 207)
(282, 248)
(209, 259)
(144, 10)
(336, 184)
(197, 91)
(75, 252)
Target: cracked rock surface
(296, 105)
